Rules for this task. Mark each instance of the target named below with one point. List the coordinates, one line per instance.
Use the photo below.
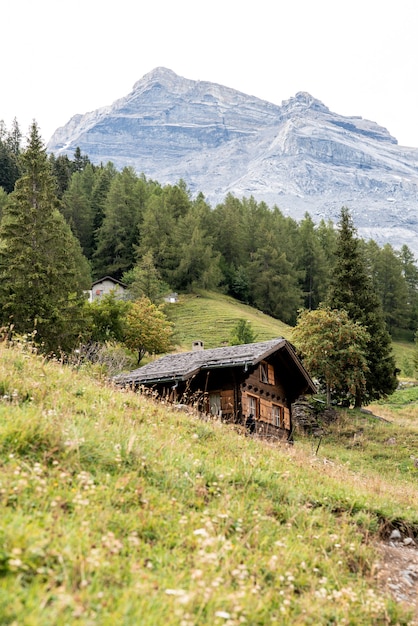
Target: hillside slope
(118, 510)
(211, 317)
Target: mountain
(300, 156)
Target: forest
(241, 247)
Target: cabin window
(253, 407)
(277, 414)
(267, 373)
(264, 373)
(215, 404)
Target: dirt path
(397, 574)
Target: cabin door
(215, 404)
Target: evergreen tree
(144, 280)
(4, 198)
(242, 333)
(9, 156)
(273, 277)
(195, 264)
(62, 169)
(104, 176)
(14, 139)
(352, 290)
(119, 232)
(156, 235)
(410, 275)
(228, 226)
(80, 161)
(78, 207)
(42, 269)
(390, 284)
(312, 264)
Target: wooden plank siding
(227, 404)
(262, 390)
(232, 383)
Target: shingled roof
(183, 365)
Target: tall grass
(119, 510)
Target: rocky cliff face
(299, 156)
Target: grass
(211, 317)
(119, 510)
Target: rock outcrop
(299, 156)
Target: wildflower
(175, 592)
(223, 614)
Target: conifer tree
(9, 156)
(144, 280)
(352, 290)
(312, 264)
(42, 269)
(119, 232)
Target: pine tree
(352, 290)
(410, 275)
(4, 198)
(77, 208)
(9, 156)
(119, 232)
(242, 333)
(312, 264)
(42, 270)
(144, 280)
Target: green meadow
(116, 509)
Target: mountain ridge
(299, 155)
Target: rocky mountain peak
(158, 77)
(299, 156)
(301, 102)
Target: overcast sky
(358, 57)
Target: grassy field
(211, 317)
(119, 510)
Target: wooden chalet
(253, 384)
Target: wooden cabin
(253, 384)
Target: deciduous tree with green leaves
(333, 348)
(147, 329)
(107, 318)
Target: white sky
(359, 57)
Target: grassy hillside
(211, 317)
(118, 510)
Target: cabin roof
(113, 280)
(183, 365)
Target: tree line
(65, 221)
(245, 248)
